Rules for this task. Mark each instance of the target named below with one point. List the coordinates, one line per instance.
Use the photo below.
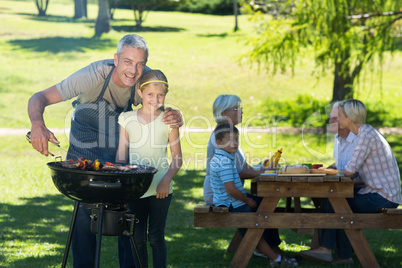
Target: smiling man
(102, 90)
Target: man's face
(333, 120)
(334, 125)
(229, 143)
(129, 66)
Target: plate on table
(257, 167)
(269, 174)
(304, 175)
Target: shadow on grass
(91, 23)
(38, 219)
(222, 35)
(61, 44)
(53, 18)
(206, 247)
(133, 29)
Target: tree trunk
(103, 21)
(42, 7)
(80, 9)
(236, 13)
(343, 85)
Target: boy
(228, 188)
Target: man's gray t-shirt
(87, 83)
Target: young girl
(143, 140)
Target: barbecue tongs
(28, 137)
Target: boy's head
(227, 137)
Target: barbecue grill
(106, 193)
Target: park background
(200, 54)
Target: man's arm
(40, 135)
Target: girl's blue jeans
(151, 213)
(360, 203)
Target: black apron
(95, 131)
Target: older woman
(375, 164)
(227, 109)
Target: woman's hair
(355, 110)
(134, 41)
(222, 103)
(153, 77)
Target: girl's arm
(122, 150)
(162, 190)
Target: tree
(344, 35)
(102, 24)
(142, 7)
(42, 6)
(236, 13)
(80, 9)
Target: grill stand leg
(135, 251)
(70, 234)
(99, 236)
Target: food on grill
(327, 171)
(293, 169)
(95, 165)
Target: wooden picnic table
(272, 187)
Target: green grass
(199, 54)
(35, 217)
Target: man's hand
(40, 136)
(173, 118)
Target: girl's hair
(153, 77)
(355, 110)
(134, 41)
(222, 103)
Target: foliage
(42, 6)
(142, 7)
(296, 112)
(344, 38)
(306, 111)
(218, 7)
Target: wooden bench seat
(204, 208)
(392, 210)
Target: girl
(143, 140)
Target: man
(345, 141)
(344, 145)
(103, 89)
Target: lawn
(199, 54)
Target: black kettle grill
(106, 193)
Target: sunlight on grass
(389, 249)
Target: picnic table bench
(273, 187)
